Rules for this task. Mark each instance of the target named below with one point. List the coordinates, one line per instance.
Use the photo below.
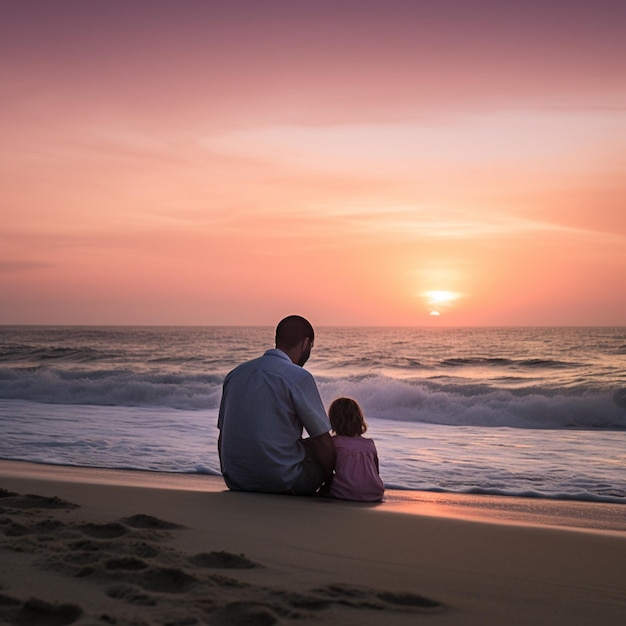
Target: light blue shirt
(265, 405)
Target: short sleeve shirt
(266, 403)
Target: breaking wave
(415, 400)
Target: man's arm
(219, 451)
(324, 452)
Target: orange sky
(206, 162)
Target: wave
(28, 354)
(111, 388)
(579, 496)
(513, 363)
(481, 404)
(68, 357)
(414, 400)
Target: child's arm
(376, 457)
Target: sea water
(513, 411)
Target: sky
(409, 162)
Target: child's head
(346, 417)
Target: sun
(439, 301)
(440, 297)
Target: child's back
(356, 470)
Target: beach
(414, 206)
(89, 546)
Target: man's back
(265, 404)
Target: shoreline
(494, 509)
(117, 547)
(485, 508)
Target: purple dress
(356, 470)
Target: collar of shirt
(276, 352)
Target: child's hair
(346, 417)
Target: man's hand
(324, 452)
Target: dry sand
(82, 546)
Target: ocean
(536, 412)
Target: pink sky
(232, 162)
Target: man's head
(294, 336)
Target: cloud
(7, 267)
(510, 138)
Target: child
(356, 468)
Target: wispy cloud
(501, 138)
(7, 267)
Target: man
(265, 405)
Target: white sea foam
(465, 459)
(380, 396)
(430, 403)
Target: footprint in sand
(35, 612)
(85, 545)
(104, 531)
(365, 598)
(244, 614)
(166, 580)
(407, 600)
(222, 560)
(126, 563)
(45, 530)
(15, 529)
(130, 594)
(140, 549)
(149, 522)
(133, 574)
(122, 557)
(30, 501)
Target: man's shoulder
(277, 361)
(269, 360)
(245, 365)
(274, 362)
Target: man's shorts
(311, 476)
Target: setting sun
(439, 301)
(441, 297)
